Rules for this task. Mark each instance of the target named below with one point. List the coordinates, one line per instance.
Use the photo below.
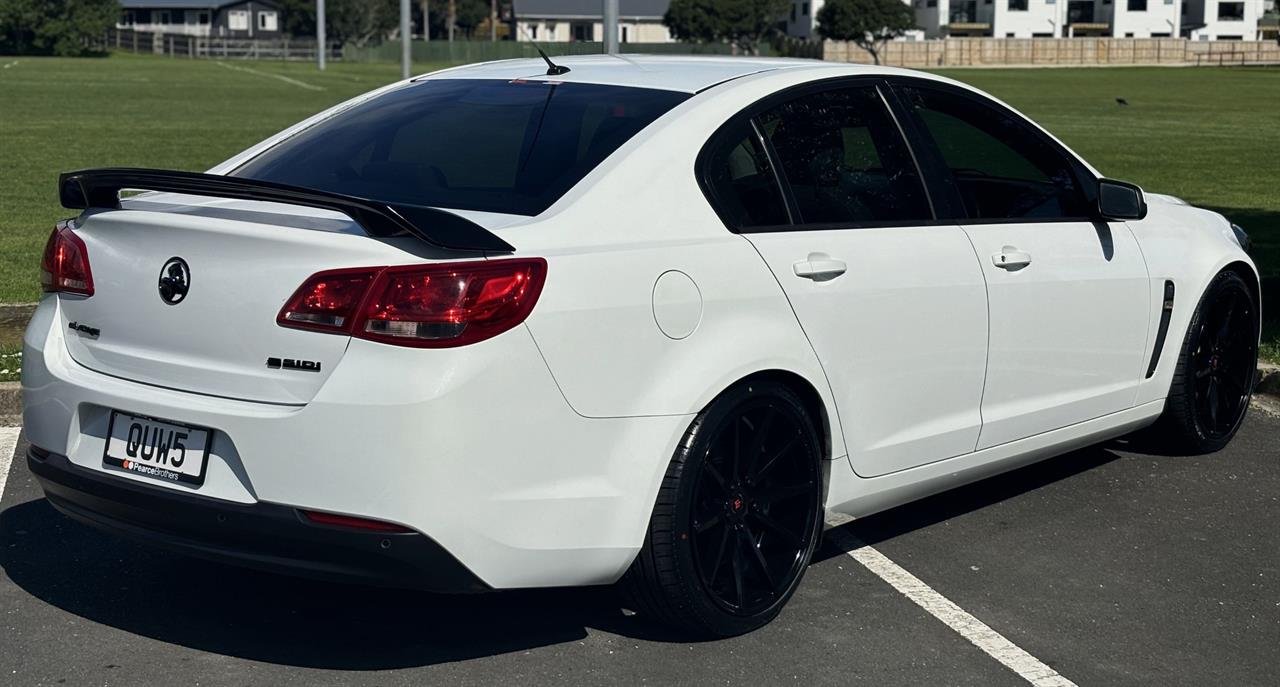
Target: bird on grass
(1121, 101)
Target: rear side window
(741, 180)
(1002, 168)
(472, 144)
(844, 159)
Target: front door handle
(1012, 259)
(820, 267)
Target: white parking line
(993, 643)
(8, 443)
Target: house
(222, 18)
(1223, 20)
(1049, 18)
(557, 21)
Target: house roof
(588, 8)
(184, 4)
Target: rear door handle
(820, 267)
(1010, 258)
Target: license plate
(159, 449)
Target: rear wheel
(1214, 379)
(737, 518)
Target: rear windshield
(497, 146)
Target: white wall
(1161, 16)
(1207, 12)
(560, 30)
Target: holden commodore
(614, 320)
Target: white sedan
(633, 320)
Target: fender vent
(1166, 313)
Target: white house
(1222, 20)
(639, 21)
(1050, 18)
(227, 18)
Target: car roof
(685, 73)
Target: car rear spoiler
(100, 188)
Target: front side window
(267, 21)
(844, 161)
(1017, 5)
(238, 20)
(472, 144)
(741, 181)
(1001, 167)
(1137, 5)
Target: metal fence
(466, 51)
(180, 45)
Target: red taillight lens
(428, 306)
(328, 301)
(65, 266)
(352, 522)
(451, 305)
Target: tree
(743, 23)
(54, 27)
(866, 23)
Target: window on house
(126, 19)
(1230, 38)
(793, 14)
(202, 18)
(1137, 5)
(162, 17)
(1128, 34)
(1042, 34)
(142, 16)
(805, 9)
(1017, 6)
(931, 3)
(844, 160)
(238, 20)
(583, 32)
(1164, 34)
(624, 34)
(267, 21)
(1230, 11)
(533, 31)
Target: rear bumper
(474, 447)
(259, 535)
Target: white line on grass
(8, 442)
(282, 77)
(993, 643)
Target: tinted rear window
(471, 144)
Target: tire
(730, 539)
(1217, 363)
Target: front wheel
(737, 518)
(1213, 381)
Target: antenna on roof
(553, 69)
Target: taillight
(428, 306)
(65, 266)
(328, 301)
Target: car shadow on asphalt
(297, 622)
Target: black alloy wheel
(737, 517)
(754, 500)
(1213, 382)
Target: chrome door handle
(820, 267)
(1010, 258)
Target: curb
(10, 401)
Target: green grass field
(1211, 136)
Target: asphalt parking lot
(1109, 565)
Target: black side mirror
(1119, 200)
